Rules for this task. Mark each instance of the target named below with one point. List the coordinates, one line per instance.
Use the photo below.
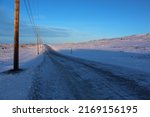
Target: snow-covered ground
(27, 53)
(64, 77)
(131, 51)
(129, 60)
(17, 85)
(100, 69)
(132, 44)
(129, 54)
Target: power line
(31, 18)
(29, 12)
(39, 34)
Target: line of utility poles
(38, 41)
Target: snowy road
(64, 77)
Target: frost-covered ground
(17, 85)
(27, 53)
(131, 51)
(132, 44)
(102, 69)
(65, 77)
(125, 59)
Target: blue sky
(76, 20)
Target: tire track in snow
(47, 84)
(77, 79)
(126, 87)
(113, 93)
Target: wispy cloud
(48, 33)
(55, 32)
(26, 30)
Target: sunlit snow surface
(17, 85)
(42, 77)
(132, 51)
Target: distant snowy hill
(135, 43)
(130, 51)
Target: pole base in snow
(13, 71)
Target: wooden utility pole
(37, 44)
(16, 35)
(40, 44)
